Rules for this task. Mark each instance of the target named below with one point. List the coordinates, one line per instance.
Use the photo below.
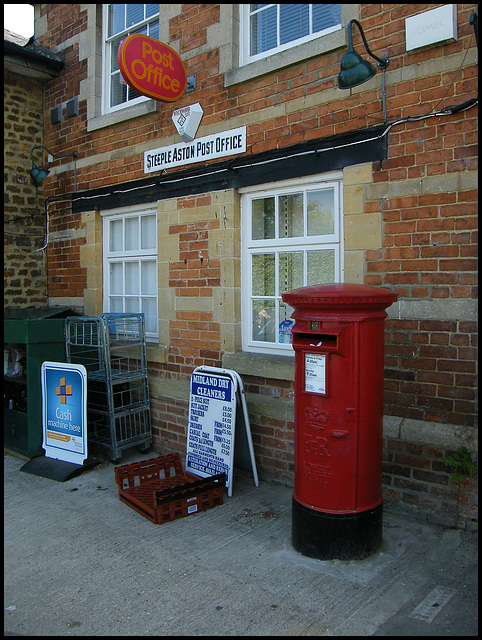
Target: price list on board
(212, 412)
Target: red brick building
(329, 188)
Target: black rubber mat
(57, 469)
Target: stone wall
(25, 280)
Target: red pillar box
(338, 338)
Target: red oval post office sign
(152, 68)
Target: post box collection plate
(315, 373)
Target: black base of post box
(328, 536)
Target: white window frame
(106, 53)
(250, 247)
(125, 256)
(245, 56)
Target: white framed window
(119, 21)
(269, 28)
(291, 237)
(130, 265)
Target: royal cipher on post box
(338, 339)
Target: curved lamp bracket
(354, 70)
(382, 62)
(38, 175)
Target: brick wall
(194, 336)
(409, 222)
(283, 108)
(272, 426)
(434, 231)
(416, 476)
(431, 371)
(429, 251)
(67, 279)
(25, 282)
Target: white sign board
(217, 145)
(315, 373)
(64, 411)
(212, 420)
(430, 27)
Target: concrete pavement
(79, 562)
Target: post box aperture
(338, 339)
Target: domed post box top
(339, 298)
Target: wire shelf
(112, 348)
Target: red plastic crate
(161, 490)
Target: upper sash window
(269, 28)
(121, 20)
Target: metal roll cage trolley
(112, 348)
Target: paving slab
(79, 562)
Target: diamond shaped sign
(186, 121)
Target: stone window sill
(260, 365)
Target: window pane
(115, 235)
(132, 277)
(116, 18)
(134, 14)
(321, 266)
(290, 271)
(285, 323)
(149, 308)
(118, 90)
(116, 280)
(132, 305)
(131, 94)
(263, 219)
(264, 30)
(132, 234)
(264, 320)
(291, 215)
(148, 277)
(115, 305)
(325, 15)
(321, 215)
(142, 30)
(114, 48)
(294, 21)
(263, 274)
(154, 30)
(151, 10)
(148, 232)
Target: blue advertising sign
(212, 413)
(64, 411)
(214, 395)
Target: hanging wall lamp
(38, 175)
(354, 70)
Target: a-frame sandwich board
(214, 396)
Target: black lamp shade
(354, 70)
(38, 175)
